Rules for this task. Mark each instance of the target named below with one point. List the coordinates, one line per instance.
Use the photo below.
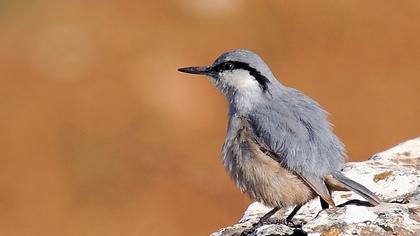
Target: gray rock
(392, 174)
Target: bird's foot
(248, 232)
(269, 221)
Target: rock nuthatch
(279, 148)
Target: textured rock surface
(392, 174)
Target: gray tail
(357, 188)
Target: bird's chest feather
(257, 174)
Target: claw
(269, 221)
(247, 232)
(272, 221)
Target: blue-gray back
(297, 131)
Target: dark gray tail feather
(357, 188)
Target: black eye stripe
(227, 66)
(261, 79)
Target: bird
(280, 148)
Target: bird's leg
(293, 213)
(288, 221)
(264, 218)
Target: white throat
(247, 89)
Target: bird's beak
(195, 70)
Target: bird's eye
(227, 66)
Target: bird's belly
(263, 178)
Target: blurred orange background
(100, 135)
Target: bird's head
(238, 73)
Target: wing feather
(315, 182)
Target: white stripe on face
(240, 79)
